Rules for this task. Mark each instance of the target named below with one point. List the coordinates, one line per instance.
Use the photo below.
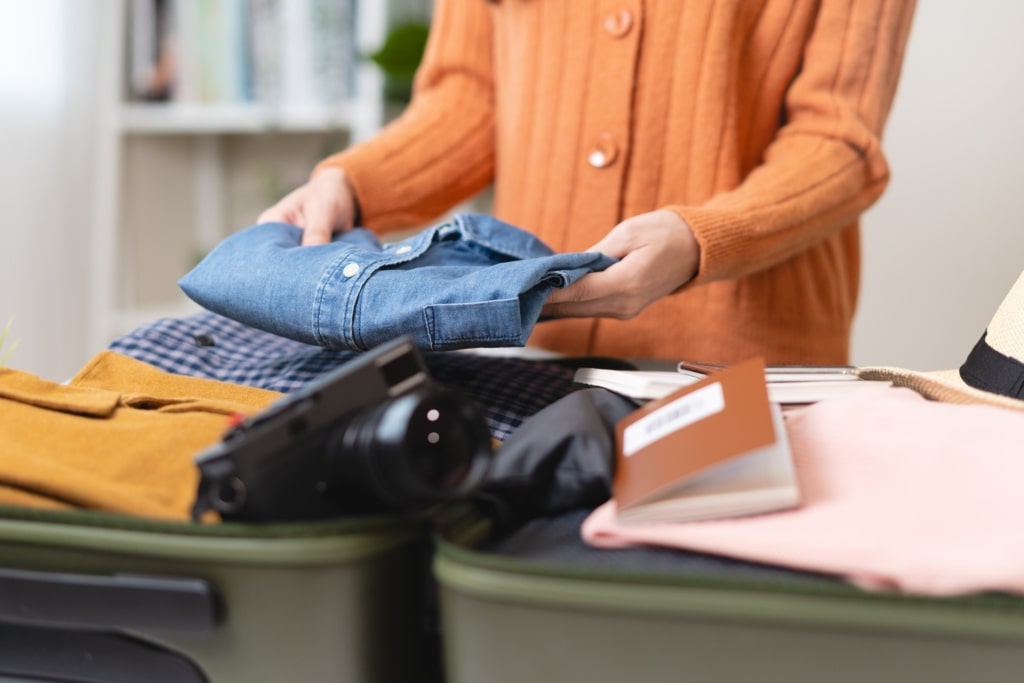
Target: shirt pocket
(32, 391)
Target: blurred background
(112, 185)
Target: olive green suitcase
(542, 606)
(106, 599)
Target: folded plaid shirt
(209, 345)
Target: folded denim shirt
(473, 281)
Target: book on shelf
(148, 51)
(272, 52)
(787, 385)
(714, 448)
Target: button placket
(619, 21)
(615, 28)
(339, 292)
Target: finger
(574, 309)
(275, 214)
(561, 296)
(292, 217)
(288, 209)
(616, 243)
(609, 246)
(316, 236)
(583, 298)
(320, 222)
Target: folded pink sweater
(899, 494)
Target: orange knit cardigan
(757, 121)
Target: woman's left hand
(657, 254)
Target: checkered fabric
(209, 345)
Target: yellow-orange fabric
(758, 121)
(121, 436)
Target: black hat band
(989, 370)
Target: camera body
(375, 435)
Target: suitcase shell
(108, 598)
(510, 616)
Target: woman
(723, 150)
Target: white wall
(47, 124)
(946, 242)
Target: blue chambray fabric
(473, 281)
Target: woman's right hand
(323, 206)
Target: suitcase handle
(119, 601)
(52, 655)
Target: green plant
(3, 338)
(399, 58)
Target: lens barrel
(427, 446)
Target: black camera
(374, 435)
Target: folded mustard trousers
(120, 437)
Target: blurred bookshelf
(211, 111)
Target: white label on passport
(672, 417)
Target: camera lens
(438, 448)
(424, 447)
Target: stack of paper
(788, 385)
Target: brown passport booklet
(714, 448)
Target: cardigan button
(619, 23)
(604, 152)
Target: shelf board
(245, 117)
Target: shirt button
(619, 24)
(405, 249)
(604, 152)
(350, 270)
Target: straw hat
(993, 372)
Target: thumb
(612, 244)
